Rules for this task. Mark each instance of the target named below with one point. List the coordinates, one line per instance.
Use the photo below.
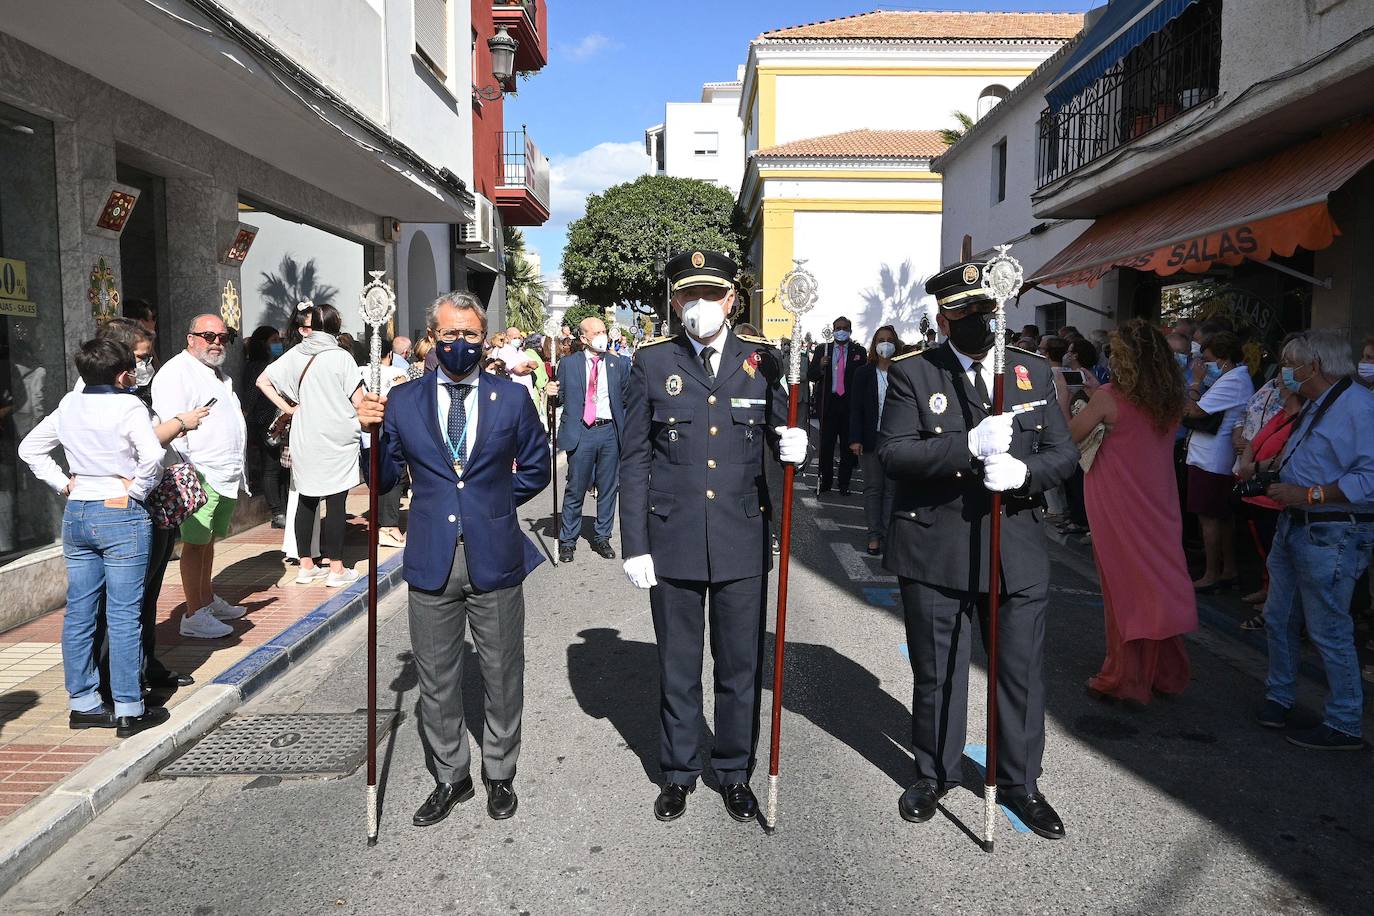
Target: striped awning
(1271, 206)
(1122, 29)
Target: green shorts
(210, 520)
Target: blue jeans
(106, 551)
(596, 460)
(1312, 573)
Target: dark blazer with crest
(939, 530)
(692, 487)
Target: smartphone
(1073, 378)
(212, 402)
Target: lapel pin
(493, 395)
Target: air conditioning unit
(479, 236)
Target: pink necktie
(839, 370)
(589, 408)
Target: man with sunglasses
(191, 380)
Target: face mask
(276, 349)
(1181, 359)
(841, 336)
(1213, 372)
(1290, 379)
(599, 343)
(972, 334)
(702, 318)
(885, 349)
(515, 342)
(143, 372)
(1367, 370)
(458, 357)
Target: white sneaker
(347, 577)
(223, 610)
(203, 625)
(310, 576)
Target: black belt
(1303, 517)
(596, 423)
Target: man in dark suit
(461, 430)
(694, 515)
(832, 371)
(946, 452)
(591, 388)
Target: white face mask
(702, 318)
(598, 343)
(886, 348)
(143, 372)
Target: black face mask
(972, 334)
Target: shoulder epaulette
(1027, 352)
(764, 341)
(907, 355)
(652, 341)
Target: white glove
(792, 443)
(640, 569)
(1004, 472)
(991, 437)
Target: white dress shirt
(108, 440)
(472, 402)
(603, 390)
(882, 393)
(967, 363)
(718, 342)
(217, 446)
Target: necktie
(839, 370)
(589, 406)
(981, 386)
(458, 424)
(706, 354)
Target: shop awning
(1122, 28)
(1270, 206)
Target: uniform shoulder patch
(1027, 352)
(762, 341)
(907, 355)
(653, 341)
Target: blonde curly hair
(1144, 371)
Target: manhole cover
(281, 744)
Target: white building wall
(870, 267)
(423, 272)
(684, 120)
(837, 189)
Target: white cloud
(590, 46)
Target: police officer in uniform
(946, 451)
(701, 408)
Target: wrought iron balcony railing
(523, 166)
(1174, 70)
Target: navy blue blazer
(863, 408)
(572, 393)
(499, 554)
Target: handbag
(279, 430)
(177, 496)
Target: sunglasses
(210, 337)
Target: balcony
(522, 181)
(1171, 72)
(525, 21)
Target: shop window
(33, 374)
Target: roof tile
(877, 144)
(937, 26)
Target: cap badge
(971, 274)
(673, 385)
(1023, 378)
(938, 403)
(698, 259)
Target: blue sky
(614, 64)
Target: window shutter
(431, 32)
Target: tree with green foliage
(525, 291)
(610, 253)
(576, 314)
(951, 135)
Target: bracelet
(184, 427)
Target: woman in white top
(1211, 455)
(865, 419)
(317, 383)
(115, 460)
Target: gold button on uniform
(714, 430)
(710, 494)
(711, 463)
(711, 399)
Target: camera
(1257, 485)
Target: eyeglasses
(449, 335)
(210, 337)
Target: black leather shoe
(740, 802)
(170, 679)
(153, 716)
(501, 800)
(1035, 812)
(100, 718)
(565, 554)
(672, 801)
(919, 803)
(604, 548)
(441, 802)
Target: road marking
(978, 753)
(1084, 592)
(882, 597)
(856, 564)
(829, 524)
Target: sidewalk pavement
(37, 749)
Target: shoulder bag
(279, 431)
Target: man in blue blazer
(591, 388)
(476, 452)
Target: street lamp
(502, 48)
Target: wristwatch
(1315, 496)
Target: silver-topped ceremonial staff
(551, 329)
(377, 304)
(1001, 281)
(798, 295)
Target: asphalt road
(1186, 807)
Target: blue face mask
(841, 336)
(277, 348)
(1182, 360)
(1213, 372)
(1290, 379)
(458, 357)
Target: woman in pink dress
(1132, 503)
